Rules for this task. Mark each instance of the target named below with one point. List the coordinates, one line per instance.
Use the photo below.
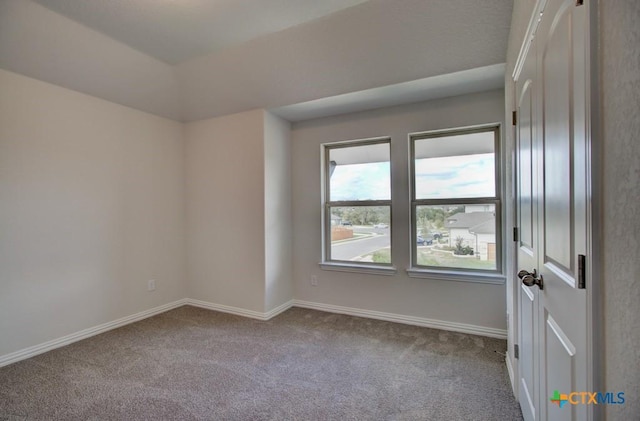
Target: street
(351, 249)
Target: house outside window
(357, 203)
(455, 203)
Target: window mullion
(359, 203)
(456, 201)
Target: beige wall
(620, 103)
(239, 211)
(459, 302)
(91, 207)
(225, 210)
(277, 211)
(94, 199)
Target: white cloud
(456, 176)
(436, 178)
(370, 181)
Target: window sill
(369, 269)
(481, 278)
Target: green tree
(461, 250)
(364, 215)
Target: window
(357, 199)
(455, 207)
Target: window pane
(361, 233)
(456, 236)
(459, 166)
(360, 173)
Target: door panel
(557, 136)
(560, 369)
(525, 157)
(528, 366)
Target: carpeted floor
(195, 364)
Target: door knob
(530, 280)
(524, 273)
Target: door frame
(594, 269)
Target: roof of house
(486, 227)
(469, 220)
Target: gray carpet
(195, 364)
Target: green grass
(428, 257)
(382, 256)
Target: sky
(361, 182)
(455, 176)
(436, 178)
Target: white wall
(277, 211)
(620, 96)
(461, 302)
(225, 210)
(468, 239)
(91, 207)
(483, 241)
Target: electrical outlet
(151, 285)
(314, 280)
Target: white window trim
(359, 268)
(340, 265)
(459, 274)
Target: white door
(552, 214)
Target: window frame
(343, 265)
(456, 273)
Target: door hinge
(582, 271)
(515, 233)
(516, 351)
(514, 117)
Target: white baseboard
(32, 351)
(280, 309)
(410, 320)
(391, 317)
(240, 311)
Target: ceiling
(177, 30)
(195, 59)
(478, 79)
